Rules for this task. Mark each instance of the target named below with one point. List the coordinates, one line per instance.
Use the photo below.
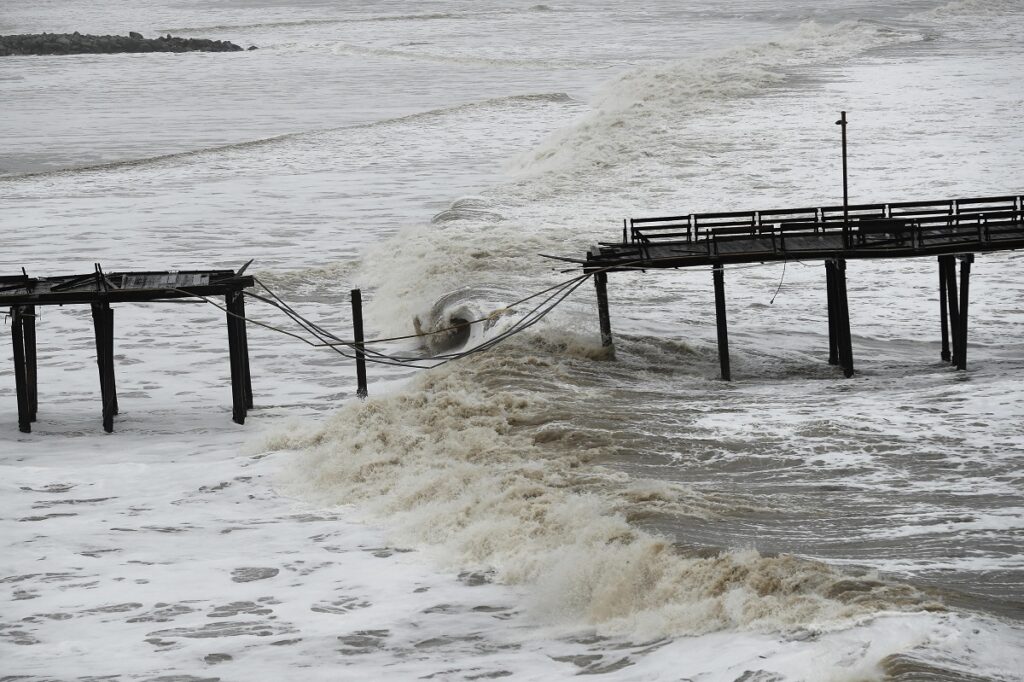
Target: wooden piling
(20, 379)
(238, 401)
(954, 308)
(243, 337)
(833, 321)
(723, 326)
(31, 367)
(845, 341)
(357, 329)
(103, 326)
(943, 310)
(965, 283)
(601, 285)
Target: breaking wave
(638, 111)
(480, 466)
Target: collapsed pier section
(25, 295)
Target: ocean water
(536, 511)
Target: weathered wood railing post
(965, 284)
(943, 310)
(357, 328)
(718, 275)
(601, 285)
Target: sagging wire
(325, 339)
(288, 333)
(557, 293)
(781, 280)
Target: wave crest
(637, 113)
(458, 465)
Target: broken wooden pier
(951, 230)
(25, 295)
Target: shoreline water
(745, 467)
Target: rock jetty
(77, 43)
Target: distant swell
(349, 49)
(555, 97)
(427, 16)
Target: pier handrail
(858, 220)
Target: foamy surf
(570, 513)
(491, 480)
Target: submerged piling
(718, 274)
(601, 285)
(357, 330)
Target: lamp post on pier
(846, 193)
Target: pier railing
(911, 224)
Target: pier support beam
(238, 348)
(833, 315)
(943, 309)
(844, 343)
(951, 303)
(103, 325)
(20, 369)
(601, 285)
(720, 319)
(357, 330)
(243, 337)
(965, 284)
(29, 326)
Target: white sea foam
(637, 497)
(470, 472)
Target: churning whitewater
(539, 509)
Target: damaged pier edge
(951, 230)
(25, 295)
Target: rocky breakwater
(77, 43)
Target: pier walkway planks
(948, 229)
(24, 294)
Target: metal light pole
(846, 195)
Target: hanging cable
(781, 280)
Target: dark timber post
(965, 284)
(243, 337)
(29, 327)
(954, 309)
(723, 327)
(103, 325)
(111, 382)
(844, 340)
(601, 285)
(833, 316)
(235, 331)
(357, 327)
(943, 310)
(20, 378)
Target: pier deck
(948, 229)
(24, 294)
(896, 230)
